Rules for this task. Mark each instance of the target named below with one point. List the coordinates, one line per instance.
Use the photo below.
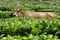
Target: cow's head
(17, 12)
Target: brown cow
(39, 15)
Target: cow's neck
(23, 13)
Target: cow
(32, 14)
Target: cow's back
(42, 15)
(36, 14)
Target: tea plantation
(23, 28)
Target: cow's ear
(18, 9)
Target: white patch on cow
(15, 14)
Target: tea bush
(5, 14)
(31, 37)
(25, 26)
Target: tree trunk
(41, 1)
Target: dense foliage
(30, 37)
(47, 5)
(5, 14)
(25, 25)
